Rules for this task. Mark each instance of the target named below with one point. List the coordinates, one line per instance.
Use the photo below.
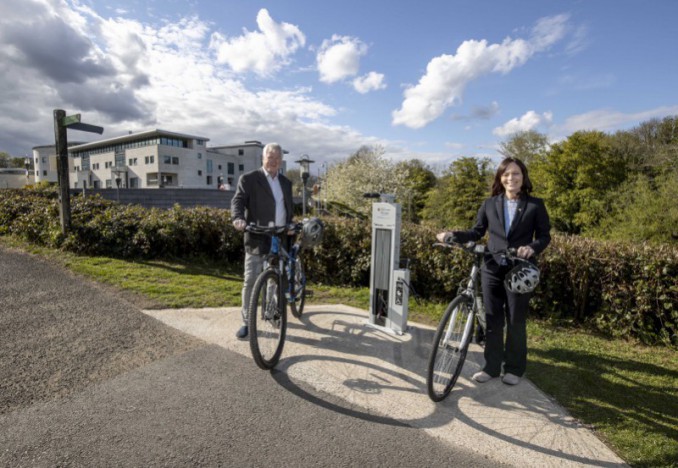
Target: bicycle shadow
(381, 378)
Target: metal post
(61, 146)
(304, 179)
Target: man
(263, 197)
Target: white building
(151, 159)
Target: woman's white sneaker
(481, 377)
(510, 379)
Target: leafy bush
(617, 288)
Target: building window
(133, 182)
(96, 184)
(209, 180)
(231, 168)
(75, 185)
(149, 159)
(199, 172)
(210, 166)
(108, 164)
(132, 162)
(200, 143)
(175, 160)
(241, 167)
(44, 173)
(167, 159)
(199, 155)
(44, 160)
(151, 180)
(241, 152)
(109, 183)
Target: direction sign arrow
(86, 127)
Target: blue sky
(430, 80)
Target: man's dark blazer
(253, 201)
(530, 226)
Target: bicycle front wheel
(267, 320)
(297, 304)
(450, 345)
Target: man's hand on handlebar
(239, 224)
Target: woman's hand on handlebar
(442, 235)
(525, 251)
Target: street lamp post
(305, 163)
(118, 179)
(27, 163)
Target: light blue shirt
(280, 212)
(510, 207)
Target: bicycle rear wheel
(450, 345)
(267, 320)
(297, 305)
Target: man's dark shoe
(242, 333)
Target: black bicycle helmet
(312, 231)
(522, 279)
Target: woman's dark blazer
(530, 226)
(253, 201)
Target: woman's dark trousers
(504, 308)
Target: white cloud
(447, 76)
(529, 121)
(339, 58)
(148, 77)
(370, 82)
(607, 120)
(263, 52)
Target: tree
(574, 178)
(527, 146)
(417, 179)
(642, 212)
(455, 200)
(364, 171)
(4, 159)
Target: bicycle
(456, 328)
(281, 282)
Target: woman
(513, 219)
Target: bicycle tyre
(297, 306)
(449, 348)
(267, 320)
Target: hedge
(619, 289)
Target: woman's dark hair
(498, 188)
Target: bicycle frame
(281, 261)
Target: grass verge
(625, 392)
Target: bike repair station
(389, 284)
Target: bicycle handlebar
(274, 230)
(479, 249)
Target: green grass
(625, 392)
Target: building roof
(135, 136)
(70, 144)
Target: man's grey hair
(271, 148)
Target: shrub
(617, 288)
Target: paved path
(380, 377)
(87, 379)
